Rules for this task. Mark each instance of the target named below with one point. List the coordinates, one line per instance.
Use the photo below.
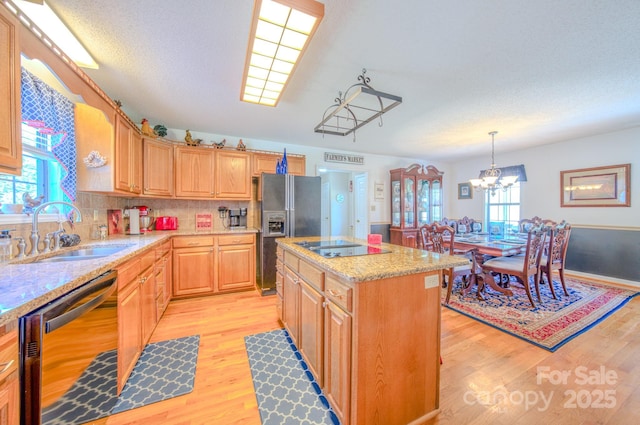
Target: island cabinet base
(396, 350)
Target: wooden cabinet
(236, 262)
(416, 200)
(337, 360)
(9, 382)
(128, 162)
(162, 269)
(206, 173)
(157, 162)
(311, 329)
(291, 307)
(193, 266)
(10, 134)
(148, 307)
(266, 162)
(129, 319)
(232, 175)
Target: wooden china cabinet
(416, 200)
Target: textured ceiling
(537, 71)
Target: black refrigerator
(290, 208)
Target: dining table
(484, 246)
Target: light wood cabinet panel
(236, 263)
(129, 321)
(233, 178)
(148, 307)
(128, 162)
(296, 165)
(194, 168)
(193, 271)
(337, 367)
(157, 161)
(265, 162)
(291, 307)
(9, 382)
(311, 329)
(10, 134)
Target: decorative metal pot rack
(359, 105)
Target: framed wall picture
(608, 186)
(465, 191)
(378, 191)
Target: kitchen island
(367, 325)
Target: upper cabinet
(233, 178)
(128, 160)
(265, 162)
(416, 200)
(157, 167)
(10, 138)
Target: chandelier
(490, 180)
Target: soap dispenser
(5, 245)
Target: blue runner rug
(165, 370)
(286, 391)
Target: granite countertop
(401, 261)
(25, 285)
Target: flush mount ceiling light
(488, 180)
(280, 33)
(359, 105)
(38, 13)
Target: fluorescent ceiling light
(280, 33)
(48, 22)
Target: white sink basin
(84, 253)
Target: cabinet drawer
(8, 350)
(128, 272)
(192, 241)
(291, 260)
(163, 249)
(235, 239)
(312, 275)
(339, 293)
(147, 259)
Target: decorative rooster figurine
(146, 129)
(190, 140)
(221, 144)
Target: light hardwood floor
(487, 376)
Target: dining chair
(553, 256)
(441, 240)
(423, 237)
(525, 224)
(521, 267)
(463, 225)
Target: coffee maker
(238, 218)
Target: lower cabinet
(291, 308)
(9, 382)
(236, 262)
(311, 329)
(193, 265)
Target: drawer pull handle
(193, 243)
(335, 294)
(5, 366)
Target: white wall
(541, 192)
(377, 166)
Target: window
(41, 172)
(502, 210)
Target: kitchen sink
(84, 253)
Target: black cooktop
(340, 248)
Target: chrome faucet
(35, 237)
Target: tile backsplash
(94, 205)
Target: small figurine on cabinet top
(160, 130)
(220, 145)
(146, 129)
(190, 140)
(241, 146)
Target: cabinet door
(194, 172)
(193, 271)
(296, 165)
(291, 309)
(337, 366)
(135, 172)
(148, 304)
(233, 178)
(129, 330)
(10, 134)
(236, 268)
(123, 161)
(158, 168)
(311, 329)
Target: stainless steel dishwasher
(68, 356)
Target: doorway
(344, 203)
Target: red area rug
(551, 323)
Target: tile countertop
(25, 286)
(400, 261)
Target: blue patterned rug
(286, 391)
(165, 370)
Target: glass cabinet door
(409, 202)
(436, 200)
(423, 202)
(395, 203)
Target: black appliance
(58, 342)
(290, 208)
